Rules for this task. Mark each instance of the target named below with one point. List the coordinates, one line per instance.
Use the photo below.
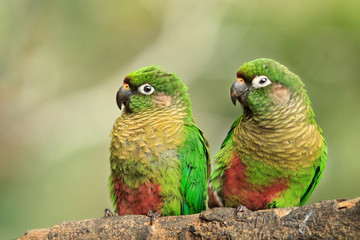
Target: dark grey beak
(239, 91)
(123, 97)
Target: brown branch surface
(336, 219)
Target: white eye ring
(260, 81)
(146, 89)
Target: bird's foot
(242, 208)
(153, 215)
(108, 213)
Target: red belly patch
(237, 190)
(136, 201)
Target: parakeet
(158, 157)
(274, 154)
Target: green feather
(194, 160)
(317, 175)
(231, 131)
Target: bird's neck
(279, 116)
(179, 109)
(286, 131)
(148, 134)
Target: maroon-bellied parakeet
(274, 154)
(158, 156)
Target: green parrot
(158, 157)
(274, 154)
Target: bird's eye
(146, 89)
(260, 81)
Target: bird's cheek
(163, 99)
(280, 94)
(139, 102)
(135, 104)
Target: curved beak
(123, 97)
(239, 91)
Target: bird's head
(149, 88)
(264, 83)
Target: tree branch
(336, 219)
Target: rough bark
(337, 219)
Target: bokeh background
(62, 62)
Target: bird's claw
(153, 215)
(108, 213)
(242, 208)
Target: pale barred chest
(148, 136)
(287, 140)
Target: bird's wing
(317, 174)
(230, 133)
(195, 170)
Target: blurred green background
(62, 62)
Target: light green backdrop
(62, 62)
